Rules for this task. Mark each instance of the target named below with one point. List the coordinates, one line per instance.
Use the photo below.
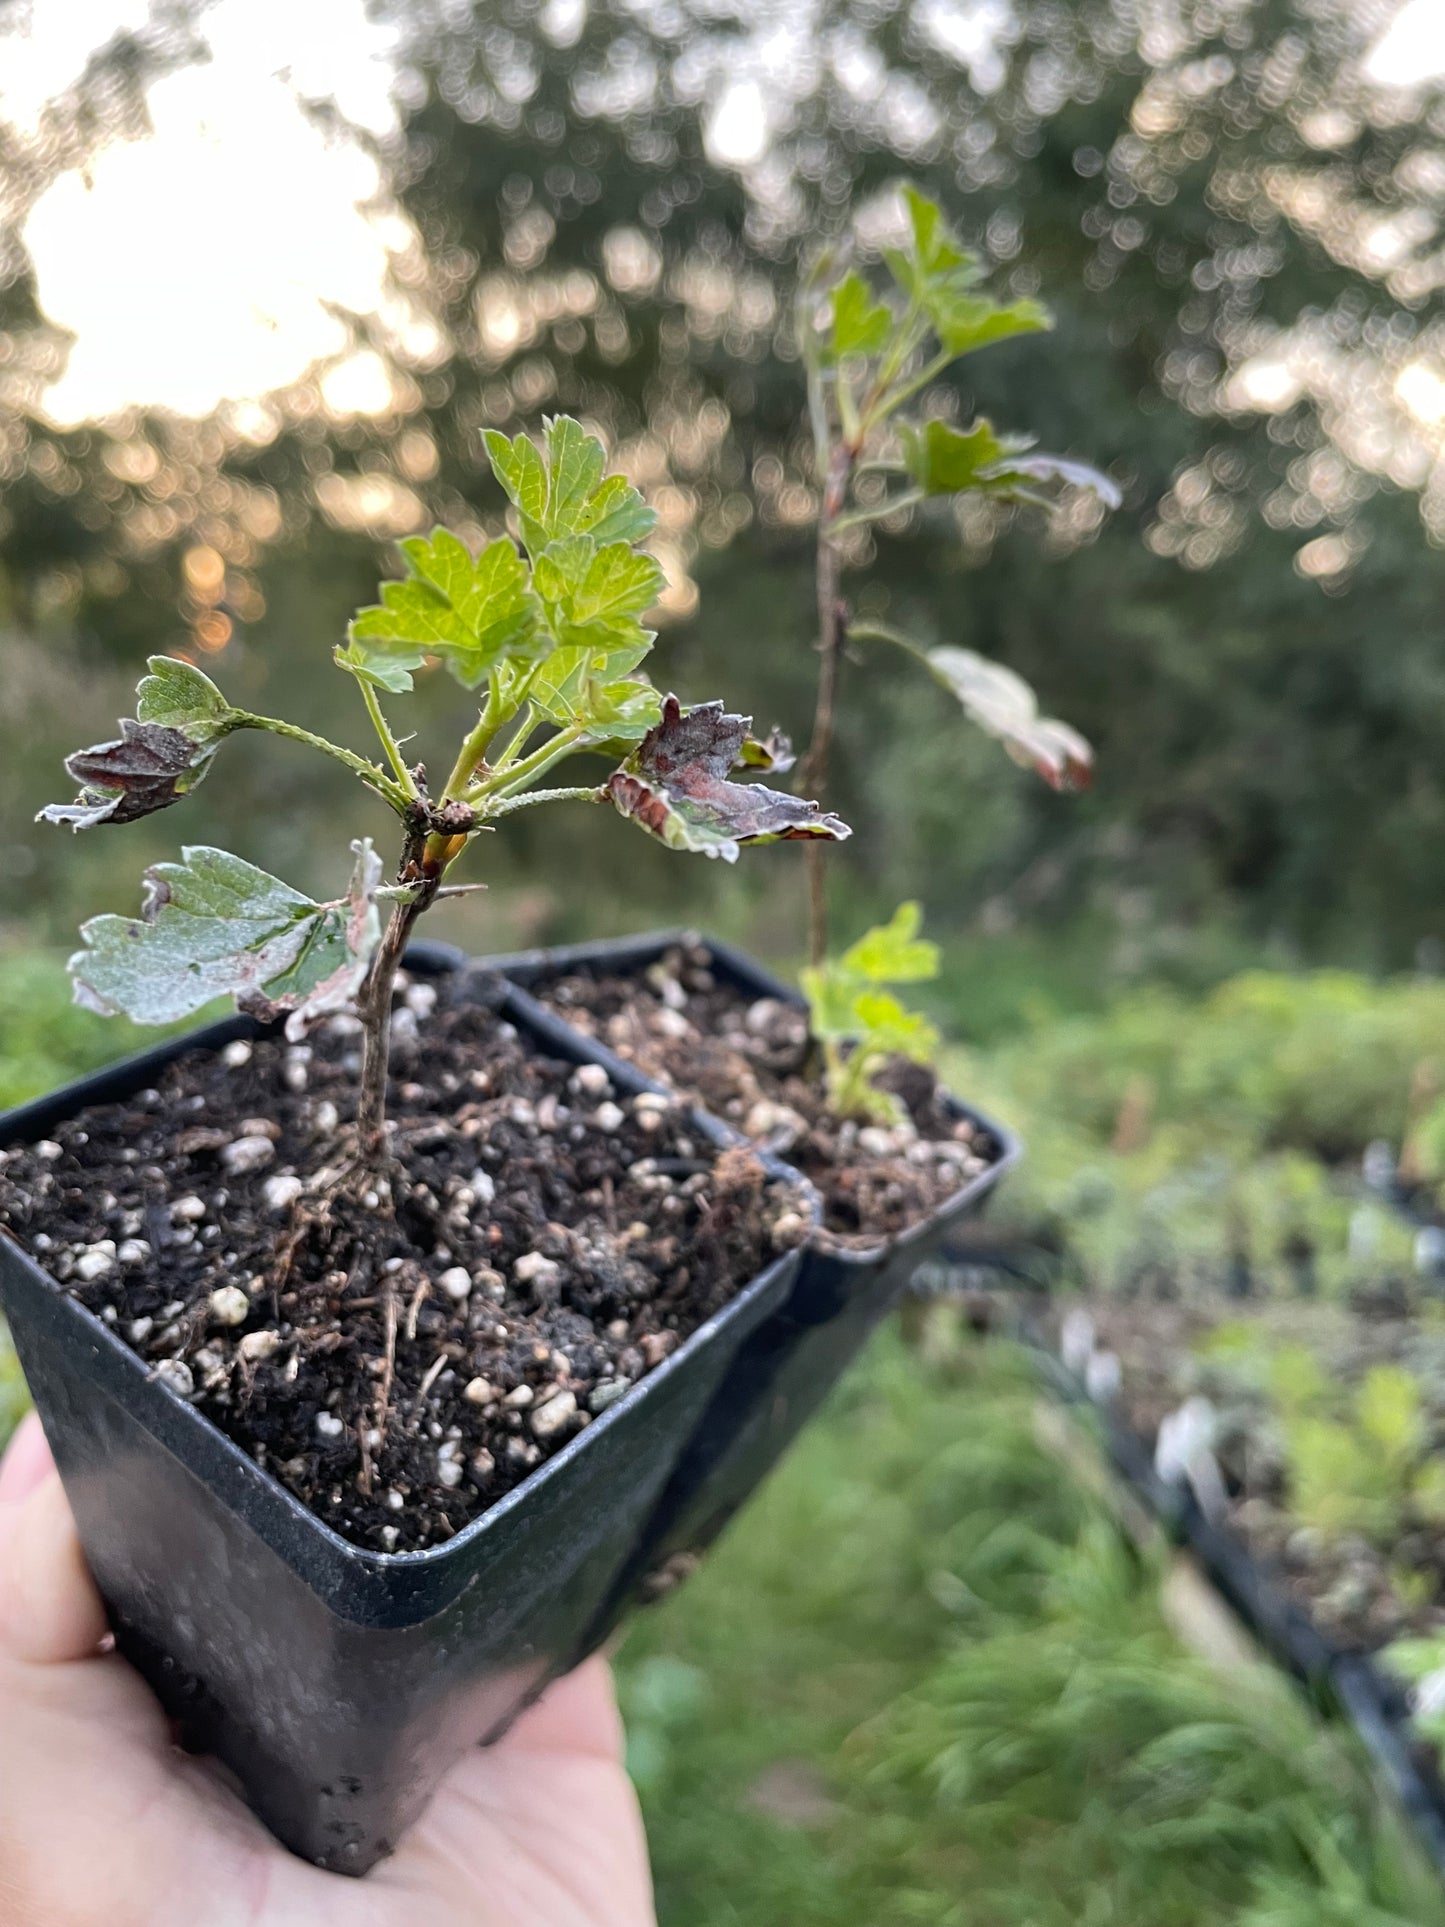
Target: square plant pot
(340, 1684)
(794, 1357)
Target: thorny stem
(469, 773)
(475, 747)
(593, 793)
(506, 782)
(832, 633)
(371, 774)
(435, 835)
(388, 741)
(526, 723)
(909, 337)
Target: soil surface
(1360, 1592)
(749, 1061)
(398, 1365)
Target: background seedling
(861, 1024)
(871, 351)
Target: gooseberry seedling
(861, 1024)
(870, 351)
(550, 637)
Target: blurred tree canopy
(603, 204)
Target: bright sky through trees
(207, 262)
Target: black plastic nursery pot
(339, 1684)
(793, 1358)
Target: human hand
(105, 1823)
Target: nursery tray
(1375, 1703)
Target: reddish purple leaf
(675, 784)
(140, 773)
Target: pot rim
(517, 966)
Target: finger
(577, 1714)
(26, 1463)
(50, 1610)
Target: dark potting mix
(398, 1358)
(749, 1061)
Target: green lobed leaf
(861, 324)
(473, 615)
(617, 513)
(965, 323)
(893, 952)
(574, 464)
(941, 277)
(389, 674)
(332, 966)
(675, 784)
(935, 259)
(518, 465)
(887, 1026)
(831, 994)
(847, 1005)
(890, 953)
(1005, 707)
(212, 926)
(944, 460)
(619, 714)
(564, 685)
(561, 492)
(594, 596)
(176, 695)
(591, 584)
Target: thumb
(26, 1461)
(50, 1610)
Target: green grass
(954, 1664)
(1318, 1062)
(44, 1039)
(13, 1398)
(1026, 980)
(1190, 1138)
